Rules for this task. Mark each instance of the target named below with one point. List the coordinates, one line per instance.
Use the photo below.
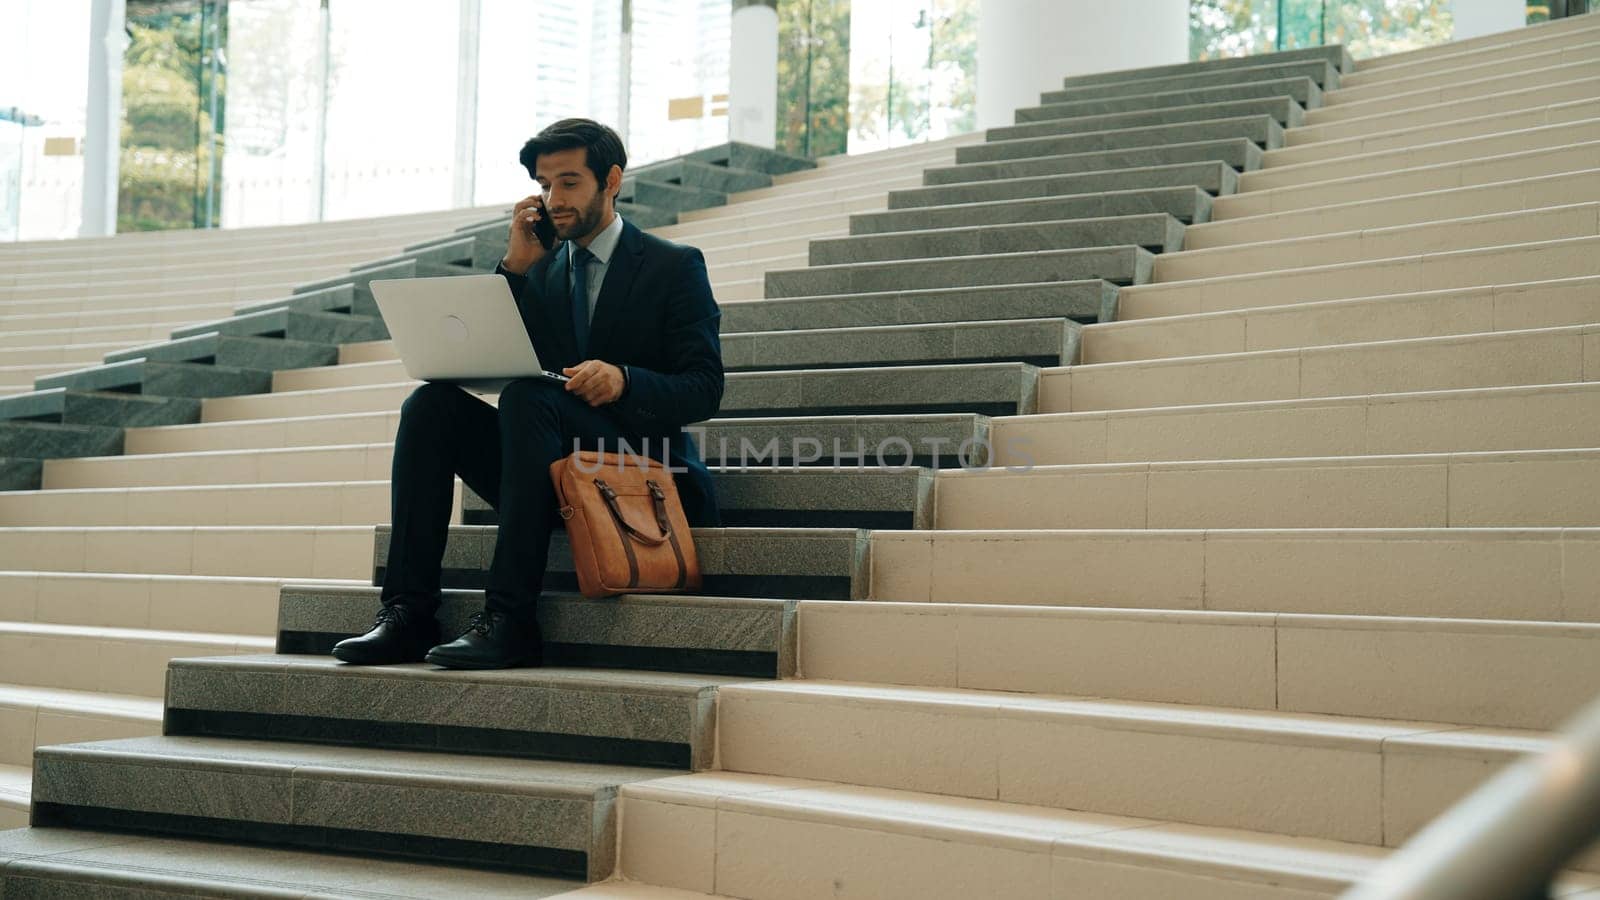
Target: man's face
(576, 201)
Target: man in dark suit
(631, 319)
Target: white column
(1479, 17)
(466, 164)
(753, 73)
(102, 142)
(1025, 47)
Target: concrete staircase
(1272, 379)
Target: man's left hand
(596, 381)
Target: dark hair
(602, 147)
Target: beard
(585, 219)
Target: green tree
(813, 76)
(1366, 27)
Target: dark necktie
(581, 257)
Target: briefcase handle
(660, 503)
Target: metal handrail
(1509, 838)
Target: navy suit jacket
(657, 316)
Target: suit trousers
(502, 454)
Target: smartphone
(544, 229)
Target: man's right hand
(524, 249)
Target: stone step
(673, 197)
(1582, 186)
(1365, 781)
(107, 408)
(15, 797)
(234, 352)
(1503, 418)
(1334, 54)
(988, 388)
(1545, 260)
(1477, 310)
(592, 715)
(1188, 205)
(1263, 130)
(1477, 673)
(1456, 90)
(261, 551)
(1537, 356)
(1470, 70)
(752, 250)
(315, 503)
(64, 862)
(527, 815)
(693, 173)
(1449, 54)
(1534, 488)
(334, 327)
(358, 283)
(20, 474)
(163, 379)
(1156, 232)
(338, 298)
(1473, 126)
(1119, 265)
(51, 440)
(805, 205)
(1478, 232)
(1302, 90)
(1461, 149)
(1081, 301)
(1321, 71)
(67, 337)
(739, 636)
(11, 358)
(150, 314)
(737, 832)
(800, 497)
(39, 717)
(192, 604)
(1493, 573)
(1283, 110)
(1215, 178)
(739, 155)
(822, 563)
(106, 660)
(73, 294)
(1516, 100)
(1442, 176)
(243, 466)
(1239, 153)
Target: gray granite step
(1333, 53)
(1156, 232)
(1188, 204)
(334, 328)
(991, 389)
(1215, 178)
(1082, 301)
(164, 379)
(361, 300)
(676, 197)
(616, 716)
(799, 497)
(814, 563)
(45, 440)
(339, 298)
(1041, 342)
(739, 155)
(938, 440)
(1261, 129)
(529, 815)
(69, 864)
(18, 474)
(268, 318)
(442, 251)
(1119, 265)
(1303, 91)
(1320, 71)
(1241, 154)
(110, 408)
(236, 351)
(646, 217)
(744, 636)
(1283, 110)
(694, 173)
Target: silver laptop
(463, 329)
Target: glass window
(43, 96)
(1366, 27)
(814, 76)
(679, 96)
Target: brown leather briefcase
(626, 524)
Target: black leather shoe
(493, 640)
(398, 635)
